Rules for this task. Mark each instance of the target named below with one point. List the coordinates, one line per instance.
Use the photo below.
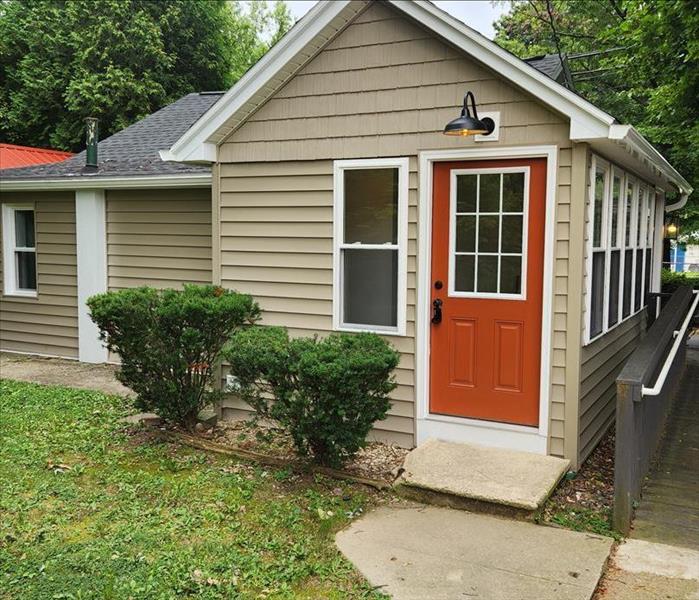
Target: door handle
(437, 311)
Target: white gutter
(99, 183)
(627, 135)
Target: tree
(119, 60)
(636, 59)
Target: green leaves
(119, 60)
(326, 392)
(644, 67)
(170, 342)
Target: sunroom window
(370, 244)
(19, 250)
(620, 247)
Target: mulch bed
(592, 488)
(375, 464)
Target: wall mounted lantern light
(468, 124)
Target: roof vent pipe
(92, 139)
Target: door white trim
(501, 435)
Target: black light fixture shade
(467, 124)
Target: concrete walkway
(422, 552)
(59, 371)
(641, 570)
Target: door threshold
(485, 433)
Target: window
(599, 246)
(19, 249)
(620, 236)
(488, 233)
(370, 256)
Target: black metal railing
(645, 390)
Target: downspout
(679, 204)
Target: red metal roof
(12, 156)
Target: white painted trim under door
(501, 435)
(91, 244)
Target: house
(77, 230)
(509, 267)
(12, 156)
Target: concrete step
(480, 478)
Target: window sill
(359, 329)
(20, 294)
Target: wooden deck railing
(640, 417)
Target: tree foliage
(119, 60)
(640, 63)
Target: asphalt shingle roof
(549, 64)
(134, 150)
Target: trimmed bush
(170, 342)
(672, 280)
(327, 393)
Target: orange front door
(487, 272)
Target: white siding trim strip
(502, 435)
(91, 243)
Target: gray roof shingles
(133, 151)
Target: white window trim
(8, 235)
(339, 166)
(452, 293)
(637, 186)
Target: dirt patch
(375, 461)
(585, 502)
(60, 371)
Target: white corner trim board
(501, 435)
(91, 243)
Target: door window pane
(512, 233)
(26, 270)
(464, 272)
(371, 206)
(24, 229)
(513, 192)
(465, 233)
(489, 193)
(488, 233)
(466, 189)
(489, 230)
(487, 274)
(510, 274)
(370, 287)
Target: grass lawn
(88, 510)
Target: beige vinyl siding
(601, 362)
(160, 238)
(47, 324)
(384, 87)
(277, 244)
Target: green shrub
(327, 393)
(671, 280)
(170, 342)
